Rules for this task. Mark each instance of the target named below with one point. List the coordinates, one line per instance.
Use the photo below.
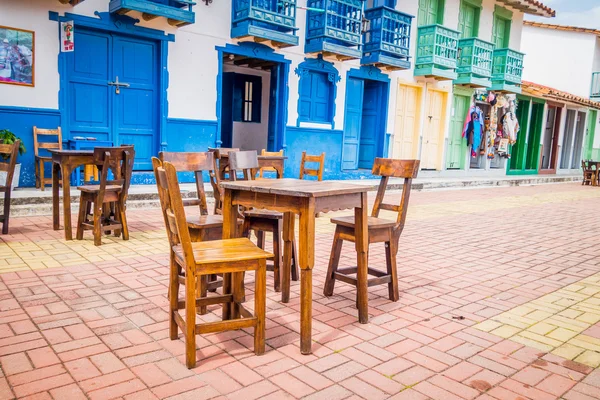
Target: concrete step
(32, 202)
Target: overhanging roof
(562, 27)
(545, 92)
(532, 7)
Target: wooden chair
(231, 257)
(262, 221)
(318, 172)
(8, 160)
(271, 154)
(118, 160)
(223, 173)
(40, 180)
(379, 230)
(590, 173)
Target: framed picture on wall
(17, 56)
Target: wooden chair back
(243, 161)
(37, 144)
(8, 160)
(197, 163)
(269, 154)
(119, 161)
(318, 172)
(165, 200)
(389, 168)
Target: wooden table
(275, 162)
(63, 163)
(306, 198)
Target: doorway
(578, 146)
(433, 132)
(112, 90)
(567, 143)
(406, 124)
(456, 143)
(364, 122)
(550, 140)
(525, 153)
(252, 97)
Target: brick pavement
(500, 300)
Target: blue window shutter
(305, 97)
(256, 98)
(238, 97)
(321, 98)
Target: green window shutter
(501, 27)
(431, 12)
(468, 20)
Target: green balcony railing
(595, 92)
(507, 70)
(474, 62)
(437, 51)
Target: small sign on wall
(67, 36)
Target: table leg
(66, 176)
(229, 232)
(286, 268)
(307, 261)
(362, 246)
(55, 195)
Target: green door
(430, 12)
(517, 152)
(467, 20)
(535, 134)
(456, 144)
(500, 32)
(591, 131)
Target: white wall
(253, 135)
(559, 59)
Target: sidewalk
(32, 201)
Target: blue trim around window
(368, 72)
(317, 66)
(125, 25)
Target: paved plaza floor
(500, 299)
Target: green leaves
(7, 137)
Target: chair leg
(202, 292)
(83, 206)
(334, 260)
(42, 176)
(295, 272)
(123, 219)
(260, 239)
(37, 174)
(6, 216)
(173, 298)
(260, 306)
(190, 320)
(277, 229)
(391, 249)
(97, 223)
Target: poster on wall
(17, 56)
(67, 36)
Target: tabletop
(71, 152)
(296, 187)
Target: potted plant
(7, 137)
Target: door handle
(118, 85)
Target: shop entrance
(525, 152)
(590, 134)
(550, 140)
(456, 143)
(572, 144)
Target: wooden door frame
(555, 137)
(121, 25)
(417, 131)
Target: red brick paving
(98, 329)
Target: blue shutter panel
(352, 122)
(256, 98)
(238, 97)
(321, 99)
(305, 97)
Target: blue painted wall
(314, 142)
(21, 121)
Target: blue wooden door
(96, 108)
(136, 107)
(370, 124)
(88, 100)
(352, 123)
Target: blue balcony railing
(507, 70)
(177, 12)
(474, 63)
(273, 20)
(437, 51)
(387, 38)
(595, 92)
(334, 27)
